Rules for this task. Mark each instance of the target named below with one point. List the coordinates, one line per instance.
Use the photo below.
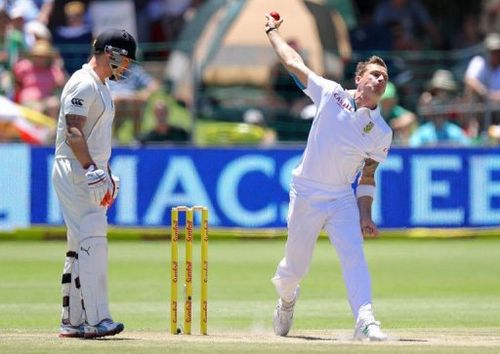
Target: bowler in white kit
(348, 138)
(86, 187)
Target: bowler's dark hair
(361, 67)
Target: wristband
(365, 190)
(87, 169)
(270, 29)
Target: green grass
(418, 285)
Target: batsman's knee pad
(72, 308)
(95, 224)
(93, 269)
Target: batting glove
(111, 194)
(98, 183)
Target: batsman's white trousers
(313, 208)
(86, 227)
(82, 218)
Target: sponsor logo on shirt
(343, 102)
(77, 101)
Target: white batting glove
(112, 193)
(116, 185)
(98, 183)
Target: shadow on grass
(313, 338)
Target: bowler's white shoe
(283, 315)
(369, 330)
(104, 328)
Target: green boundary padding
(179, 116)
(213, 133)
(134, 234)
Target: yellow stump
(188, 276)
(188, 285)
(174, 270)
(204, 272)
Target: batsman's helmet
(117, 40)
(121, 47)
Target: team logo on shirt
(368, 128)
(77, 101)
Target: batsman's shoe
(104, 328)
(369, 331)
(283, 315)
(69, 331)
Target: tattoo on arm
(74, 126)
(368, 174)
(76, 121)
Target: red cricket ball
(275, 15)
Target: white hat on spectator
(492, 41)
(16, 12)
(253, 116)
(444, 80)
(38, 29)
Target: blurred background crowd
(207, 75)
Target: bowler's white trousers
(314, 207)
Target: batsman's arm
(292, 60)
(76, 140)
(365, 193)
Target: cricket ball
(275, 15)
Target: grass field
(436, 296)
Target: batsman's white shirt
(86, 95)
(321, 196)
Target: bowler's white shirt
(86, 95)
(341, 136)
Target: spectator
(369, 35)
(482, 83)
(28, 9)
(256, 118)
(438, 130)
(468, 34)
(407, 18)
(5, 77)
(401, 120)
(35, 31)
(490, 16)
(46, 8)
(482, 77)
(55, 13)
(73, 39)
(130, 96)
(38, 78)
(15, 35)
(163, 131)
(442, 85)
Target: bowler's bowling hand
(273, 21)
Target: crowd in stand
(42, 42)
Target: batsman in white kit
(86, 187)
(348, 138)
